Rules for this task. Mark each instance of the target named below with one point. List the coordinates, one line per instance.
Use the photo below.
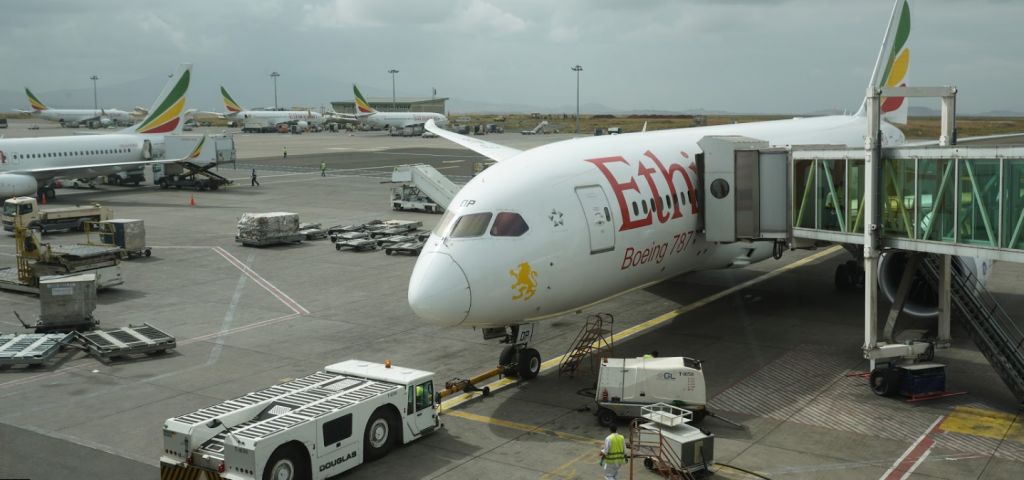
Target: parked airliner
(68, 117)
(28, 165)
(388, 120)
(560, 227)
(267, 120)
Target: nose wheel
(517, 359)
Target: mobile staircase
(998, 337)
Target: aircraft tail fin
(893, 64)
(230, 103)
(34, 102)
(167, 115)
(362, 106)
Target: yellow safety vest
(616, 449)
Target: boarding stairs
(657, 455)
(998, 337)
(595, 337)
(430, 181)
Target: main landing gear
(517, 359)
(849, 276)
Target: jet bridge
(947, 210)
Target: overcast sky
(734, 55)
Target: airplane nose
(438, 290)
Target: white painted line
(277, 293)
(912, 458)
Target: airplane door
(147, 150)
(599, 218)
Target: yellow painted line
(564, 470)
(656, 321)
(984, 423)
(524, 427)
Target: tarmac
(780, 345)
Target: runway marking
(284, 298)
(657, 321)
(224, 333)
(912, 458)
(524, 427)
(564, 470)
(229, 316)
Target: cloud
(482, 17)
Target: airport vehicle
(622, 210)
(82, 183)
(263, 121)
(421, 187)
(36, 260)
(133, 176)
(3, 123)
(668, 444)
(355, 241)
(127, 234)
(394, 227)
(535, 130)
(312, 427)
(73, 118)
(393, 239)
(626, 385)
(392, 120)
(411, 247)
(312, 231)
(51, 219)
(30, 165)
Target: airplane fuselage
(18, 154)
(73, 117)
(272, 118)
(386, 120)
(605, 215)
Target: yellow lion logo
(526, 282)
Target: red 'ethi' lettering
(628, 222)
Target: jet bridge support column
(872, 161)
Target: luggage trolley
(133, 339)
(31, 348)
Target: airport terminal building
(401, 104)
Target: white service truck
(312, 427)
(51, 218)
(626, 385)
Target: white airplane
(387, 120)
(73, 118)
(564, 226)
(28, 165)
(267, 119)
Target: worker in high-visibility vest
(613, 455)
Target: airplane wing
(490, 150)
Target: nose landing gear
(517, 359)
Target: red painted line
(906, 464)
(277, 293)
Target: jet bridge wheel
(288, 462)
(885, 381)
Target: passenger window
(508, 224)
(643, 203)
(607, 214)
(472, 225)
(636, 211)
(338, 429)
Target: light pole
(394, 108)
(274, 75)
(95, 104)
(577, 69)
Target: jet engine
(303, 125)
(106, 122)
(922, 300)
(14, 185)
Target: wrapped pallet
(268, 228)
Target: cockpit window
(446, 221)
(508, 224)
(472, 225)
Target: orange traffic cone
(191, 200)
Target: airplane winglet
(490, 150)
